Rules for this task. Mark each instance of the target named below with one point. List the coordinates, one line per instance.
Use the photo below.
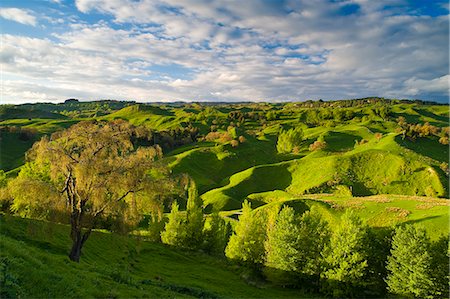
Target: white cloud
(224, 51)
(416, 86)
(22, 16)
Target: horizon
(58, 102)
(257, 51)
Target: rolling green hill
(377, 160)
(13, 112)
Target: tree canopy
(92, 170)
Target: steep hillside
(34, 264)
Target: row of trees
(350, 260)
(413, 131)
(302, 251)
(188, 230)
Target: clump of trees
(289, 139)
(187, 229)
(413, 131)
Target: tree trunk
(75, 252)
(77, 244)
(76, 233)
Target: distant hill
(17, 112)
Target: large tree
(93, 170)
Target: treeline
(302, 250)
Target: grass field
(35, 265)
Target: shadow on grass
(426, 147)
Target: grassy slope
(377, 167)
(34, 264)
(377, 211)
(151, 116)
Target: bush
(318, 145)
(342, 190)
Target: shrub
(342, 190)
(318, 145)
(443, 140)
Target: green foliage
(314, 236)
(289, 139)
(440, 254)
(216, 235)
(185, 230)
(282, 248)
(194, 219)
(34, 179)
(247, 242)
(346, 256)
(409, 265)
(175, 230)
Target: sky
(224, 50)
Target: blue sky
(200, 50)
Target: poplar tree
(346, 256)
(194, 218)
(175, 230)
(409, 265)
(282, 248)
(216, 235)
(247, 242)
(314, 236)
(440, 254)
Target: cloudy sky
(224, 50)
